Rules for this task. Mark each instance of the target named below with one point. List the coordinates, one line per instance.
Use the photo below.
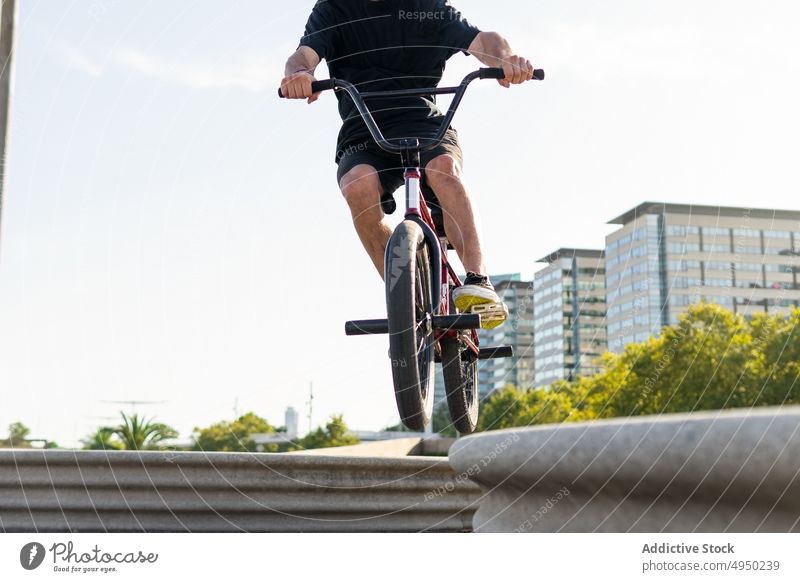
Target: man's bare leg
(461, 224)
(461, 221)
(362, 190)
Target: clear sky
(172, 231)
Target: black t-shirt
(384, 45)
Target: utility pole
(310, 405)
(8, 17)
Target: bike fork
(417, 210)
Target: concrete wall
(95, 491)
(734, 471)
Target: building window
(717, 266)
(682, 248)
(747, 250)
(715, 232)
(746, 232)
(783, 234)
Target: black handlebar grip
(497, 73)
(492, 73)
(320, 86)
(316, 87)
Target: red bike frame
(417, 208)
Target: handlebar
(498, 73)
(485, 73)
(457, 92)
(318, 86)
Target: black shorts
(388, 165)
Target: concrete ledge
(391, 448)
(733, 471)
(96, 491)
(388, 448)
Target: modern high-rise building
(516, 332)
(665, 257)
(569, 315)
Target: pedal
(491, 313)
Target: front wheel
(460, 371)
(411, 338)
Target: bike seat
(388, 203)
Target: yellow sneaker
(478, 296)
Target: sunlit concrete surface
(95, 491)
(734, 471)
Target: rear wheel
(460, 371)
(411, 339)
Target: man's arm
(299, 74)
(494, 51)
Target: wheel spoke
(421, 304)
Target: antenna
(134, 403)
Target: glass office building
(516, 332)
(569, 315)
(665, 257)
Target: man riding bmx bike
(402, 44)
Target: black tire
(411, 339)
(460, 371)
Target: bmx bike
(423, 325)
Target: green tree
(399, 427)
(711, 359)
(511, 406)
(441, 421)
(17, 435)
(233, 436)
(705, 362)
(103, 439)
(335, 434)
(776, 358)
(137, 433)
(19, 438)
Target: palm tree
(139, 434)
(103, 439)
